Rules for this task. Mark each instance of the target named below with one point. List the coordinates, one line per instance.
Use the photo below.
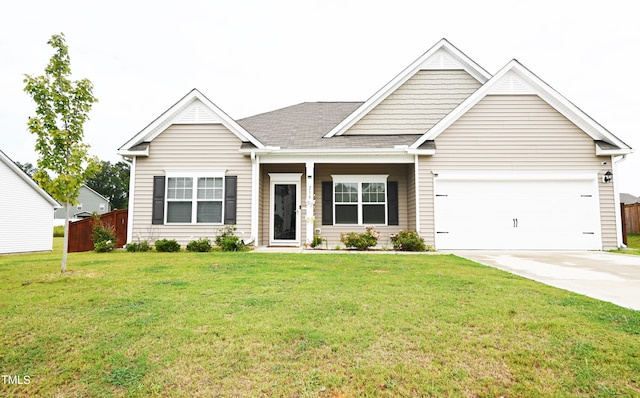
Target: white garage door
(531, 212)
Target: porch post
(255, 189)
(310, 201)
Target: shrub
(361, 241)
(228, 241)
(103, 236)
(143, 246)
(408, 241)
(317, 241)
(58, 231)
(167, 245)
(200, 245)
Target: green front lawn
(297, 325)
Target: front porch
(298, 200)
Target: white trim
(512, 71)
(441, 56)
(360, 179)
(514, 176)
(130, 153)
(310, 201)
(351, 158)
(194, 175)
(159, 125)
(132, 195)
(284, 178)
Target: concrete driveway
(606, 276)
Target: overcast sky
(250, 57)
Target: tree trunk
(65, 245)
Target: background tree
(62, 108)
(28, 168)
(112, 182)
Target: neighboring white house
(89, 202)
(469, 159)
(28, 225)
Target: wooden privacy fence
(80, 231)
(632, 218)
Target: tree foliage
(112, 182)
(28, 168)
(62, 108)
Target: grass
(633, 245)
(303, 325)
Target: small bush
(58, 231)
(167, 245)
(317, 241)
(361, 241)
(201, 245)
(408, 241)
(143, 246)
(103, 236)
(228, 241)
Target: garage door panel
(511, 214)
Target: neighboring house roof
(514, 78)
(629, 199)
(4, 158)
(95, 192)
(191, 109)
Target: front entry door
(285, 209)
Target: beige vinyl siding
(411, 197)
(190, 147)
(396, 172)
(514, 133)
(418, 104)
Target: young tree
(62, 107)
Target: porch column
(310, 201)
(255, 189)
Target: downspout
(417, 191)
(132, 179)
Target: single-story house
(468, 159)
(26, 225)
(89, 202)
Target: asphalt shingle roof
(303, 126)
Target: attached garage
(547, 211)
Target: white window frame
(360, 179)
(194, 175)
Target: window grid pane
(346, 192)
(180, 188)
(210, 188)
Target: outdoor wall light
(608, 177)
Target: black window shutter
(157, 211)
(327, 203)
(392, 203)
(230, 199)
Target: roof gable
(28, 180)
(442, 56)
(193, 108)
(515, 79)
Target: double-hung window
(360, 200)
(195, 197)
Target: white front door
(512, 213)
(284, 213)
